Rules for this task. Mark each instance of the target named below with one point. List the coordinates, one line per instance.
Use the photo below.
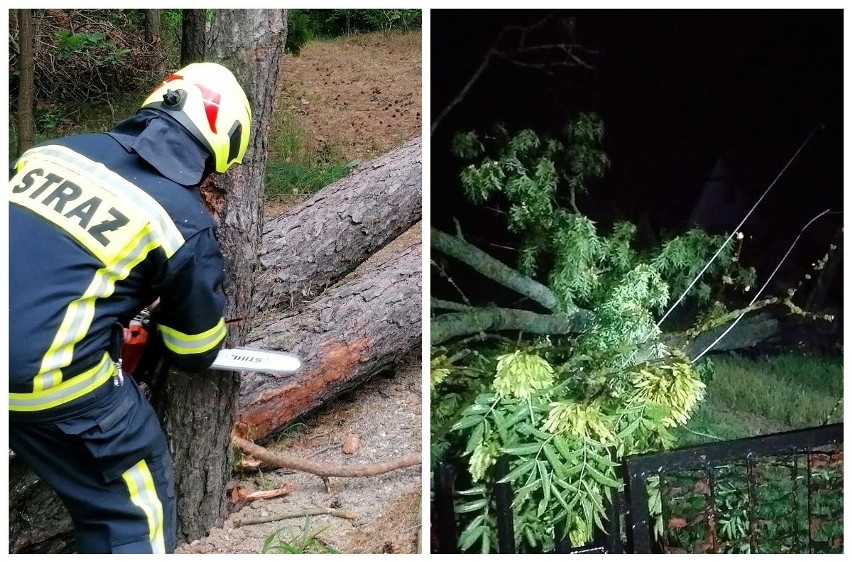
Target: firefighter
(101, 225)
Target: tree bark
(492, 268)
(345, 336)
(194, 32)
(315, 244)
(38, 522)
(494, 319)
(199, 410)
(26, 69)
(153, 28)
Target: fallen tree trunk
(317, 243)
(344, 337)
(38, 522)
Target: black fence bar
(638, 516)
(503, 508)
(443, 518)
(738, 449)
(638, 468)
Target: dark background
(676, 90)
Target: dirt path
(361, 97)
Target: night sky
(676, 90)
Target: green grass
(291, 540)
(295, 165)
(290, 178)
(754, 397)
(300, 163)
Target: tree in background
(194, 26)
(26, 95)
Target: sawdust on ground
(363, 96)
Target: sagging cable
(738, 227)
(762, 288)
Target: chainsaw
(142, 355)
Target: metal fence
(774, 493)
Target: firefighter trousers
(110, 466)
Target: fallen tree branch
(439, 304)
(475, 320)
(493, 269)
(324, 469)
(294, 514)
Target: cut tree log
(348, 334)
(317, 243)
(38, 522)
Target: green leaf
(475, 438)
(553, 458)
(545, 486)
(519, 414)
(475, 491)
(472, 533)
(629, 429)
(522, 450)
(471, 506)
(557, 493)
(565, 450)
(601, 459)
(602, 479)
(528, 488)
(518, 472)
(466, 422)
(500, 423)
(598, 522)
(530, 537)
(568, 486)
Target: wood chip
(351, 443)
(269, 494)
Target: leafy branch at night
(587, 376)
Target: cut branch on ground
(324, 469)
(296, 514)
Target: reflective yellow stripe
(116, 221)
(79, 314)
(92, 179)
(143, 494)
(186, 344)
(65, 392)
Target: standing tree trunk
(26, 101)
(153, 29)
(199, 410)
(194, 31)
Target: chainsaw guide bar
(257, 360)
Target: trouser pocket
(119, 434)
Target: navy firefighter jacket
(98, 232)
